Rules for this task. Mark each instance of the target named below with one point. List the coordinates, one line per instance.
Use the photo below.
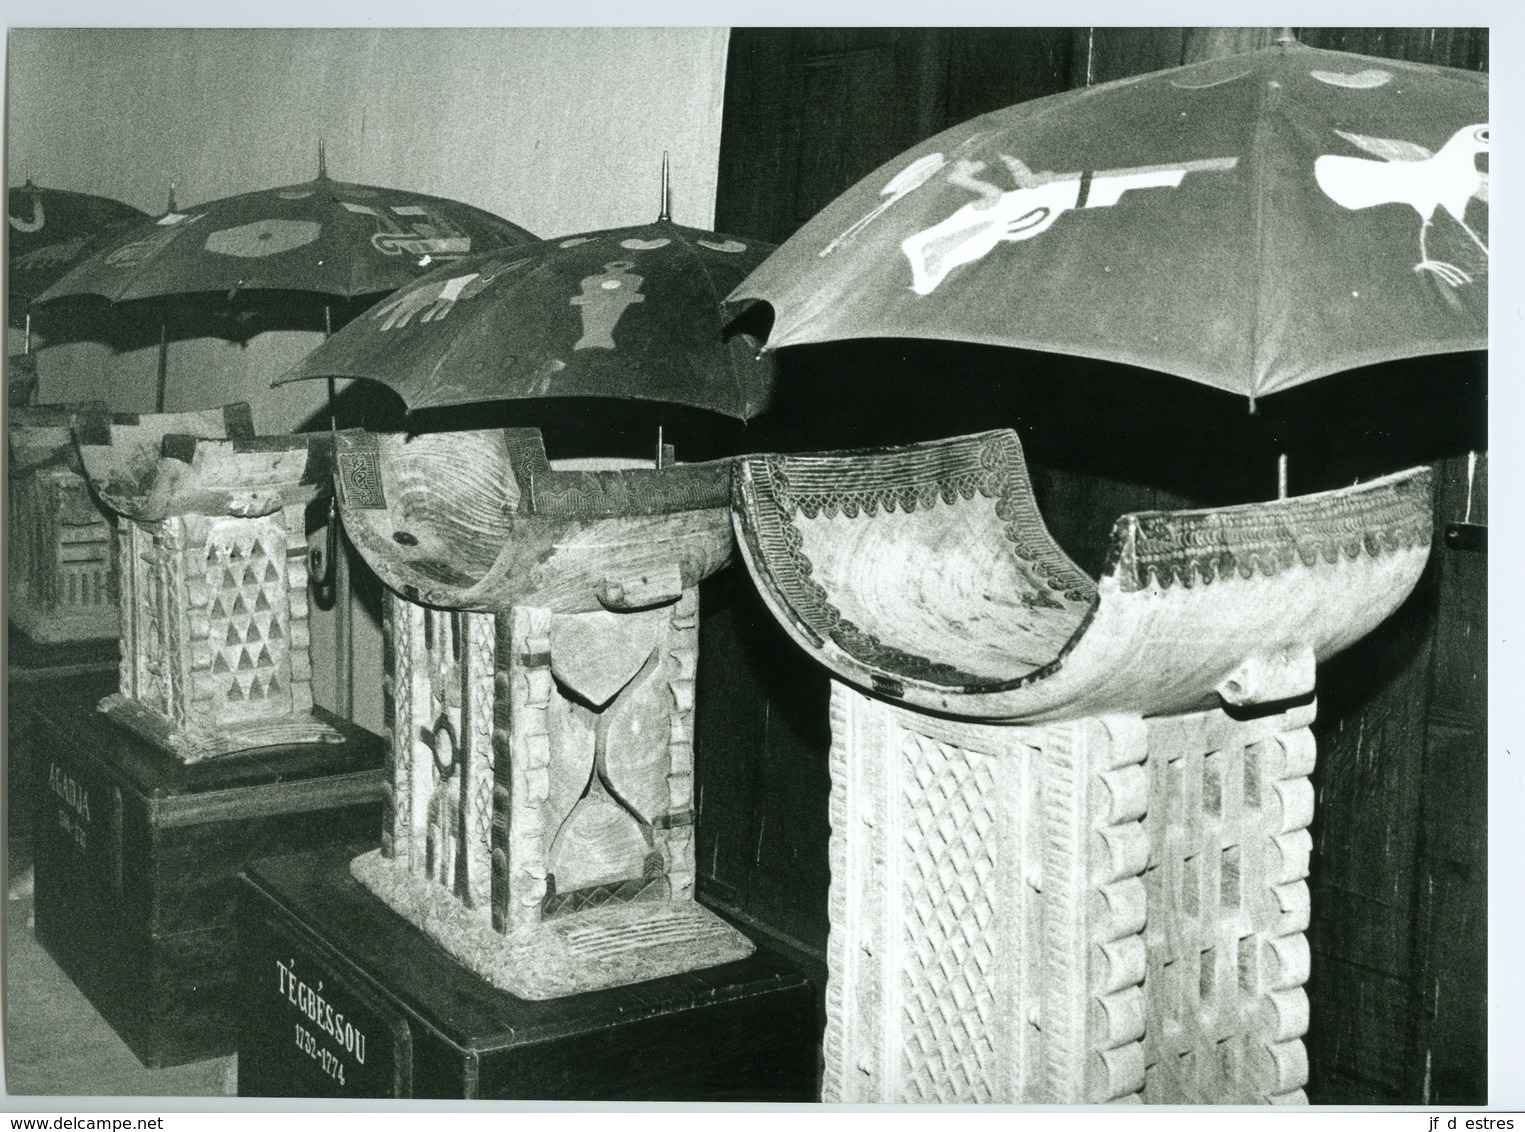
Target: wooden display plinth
(137, 859)
(31, 670)
(341, 997)
(28, 660)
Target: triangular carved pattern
(948, 980)
(249, 616)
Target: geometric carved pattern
(437, 703)
(521, 832)
(950, 967)
(215, 639)
(61, 563)
(1230, 805)
(662, 929)
(1095, 790)
(620, 892)
(212, 565)
(534, 755)
(680, 654)
(1106, 909)
(249, 618)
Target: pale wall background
(558, 130)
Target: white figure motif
(1027, 211)
(432, 300)
(1410, 174)
(604, 299)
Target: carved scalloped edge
(864, 482)
(1094, 795)
(682, 648)
(810, 603)
(1159, 549)
(524, 687)
(1284, 955)
(833, 1043)
(990, 464)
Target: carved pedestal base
(1097, 910)
(602, 947)
(539, 820)
(192, 744)
(62, 571)
(212, 570)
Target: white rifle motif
(1030, 209)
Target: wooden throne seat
(926, 574)
(482, 521)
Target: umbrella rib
(1265, 96)
(715, 295)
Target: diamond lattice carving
(948, 979)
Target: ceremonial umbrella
(627, 313)
(49, 232)
(1251, 222)
(331, 238)
(57, 218)
(328, 239)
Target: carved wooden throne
(1068, 816)
(541, 660)
(212, 572)
(62, 563)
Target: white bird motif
(1410, 174)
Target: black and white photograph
(798, 566)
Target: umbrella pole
(26, 338)
(1281, 476)
(344, 613)
(163, 366)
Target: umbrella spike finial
(1285, 36)
(170, 206)
(666, 213)
(322, 162)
